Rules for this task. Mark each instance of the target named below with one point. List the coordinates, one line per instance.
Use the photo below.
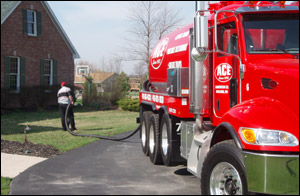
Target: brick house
(35, 50)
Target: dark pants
(62, 110)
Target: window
(271, 33)
(48, 72)
(227, 38)
(14, 73)
(32, 22)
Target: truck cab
(260, 98)
(224, 96)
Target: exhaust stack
(198, 54)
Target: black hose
(97, 136)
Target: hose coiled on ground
(97, 136)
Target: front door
(225, 85)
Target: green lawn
(46, 126)
(79, 101)
(5, 183)
(46, 129)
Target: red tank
(172, 51)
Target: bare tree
(140, 69)
(103, 65)
(113, 64)
(151, 20)
(168, 20)
(81, 62)
(142, 14)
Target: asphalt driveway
(105, 168)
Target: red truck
(223, 95)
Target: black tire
(224, 156)
(154, 142)
(145, 132)
(169, 140)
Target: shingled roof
(98, 77)
(7, 7)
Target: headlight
(267, 137)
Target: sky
(97, 29)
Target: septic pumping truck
(223, 95)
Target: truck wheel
(223, 171)
(145, 132)
(166, 138)
(154, 142)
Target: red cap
(63, 83)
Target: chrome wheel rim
(144, 134)
(225, 180)
(164, 139)
(151, 139)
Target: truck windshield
(271, 33)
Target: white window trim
(34, 23)
(51, 71)
(18, 73)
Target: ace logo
(223, 72)
(159, 53)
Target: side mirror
(198, 55)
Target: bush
(99, 106)
(30, 97)
(46, 95)
(110, 95)
(6, 97)
(89, 97)
(25, 95)
(129, 104)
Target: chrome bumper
(272, 174)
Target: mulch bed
(38, 150)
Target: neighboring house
(134, 83)
(35, 50)
(105, 82)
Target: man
(64, 98)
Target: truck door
(225, 85)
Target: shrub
(46, 95)
(89, 94)
(5, 97)
(30, 97)
(129, 104)
(25, 95)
